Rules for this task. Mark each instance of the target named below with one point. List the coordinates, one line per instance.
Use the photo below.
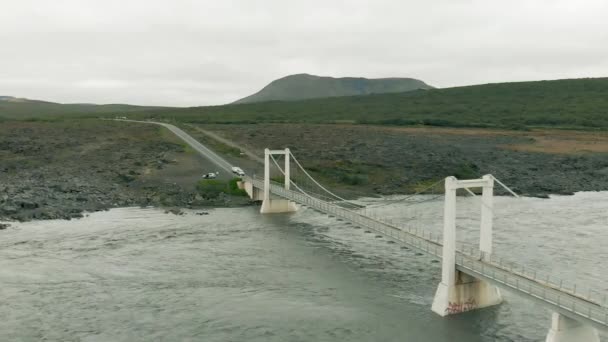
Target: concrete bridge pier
(275, 206)
(272, 206)
(459, 292)
(565, 329)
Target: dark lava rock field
(58, 170)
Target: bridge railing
(590, 305)
(563, 285)
(595, 313)
(552, 281)
(418, 238)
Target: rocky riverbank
(59, 170)
(397, 160)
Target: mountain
(305, 86)
(22, 108)
(18, 100)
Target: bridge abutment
(565, 329)
(274, 206)
(253, 192)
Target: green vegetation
(278, 179)
(353, 179)
(33, 110)
(574, 103)
(224, 149)
(345, 172)
(214, 144)
(304, 86)
(169, 137)
(571, 104)
(466, 170)
(233, 188)
(427, 186)
(212, 188)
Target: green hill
(20, 108)
(571, 103)
(304, 86)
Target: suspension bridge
(472, 276)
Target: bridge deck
(514, 278)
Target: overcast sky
(186, 53)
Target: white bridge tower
(276, 205)
(459, 292)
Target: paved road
(225, 141)
(200, 148)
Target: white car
(238, 171)
(210, 175)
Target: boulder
(8, 210)
(27, 204)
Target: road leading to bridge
(198, 147)
(230, 143)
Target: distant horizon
(301, 73)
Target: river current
(136, 274)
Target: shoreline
(204, 209)
(178, 211)
(60, 170)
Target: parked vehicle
(238, 171)
(210, 175)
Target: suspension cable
(290, 181)
(506, 187)
(419, 192)
(317, 183)
(294, 183)
(353, 205)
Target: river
(136, 274)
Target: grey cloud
(210, 52)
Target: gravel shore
(398, 160)
(59, 170)
(62, 169)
